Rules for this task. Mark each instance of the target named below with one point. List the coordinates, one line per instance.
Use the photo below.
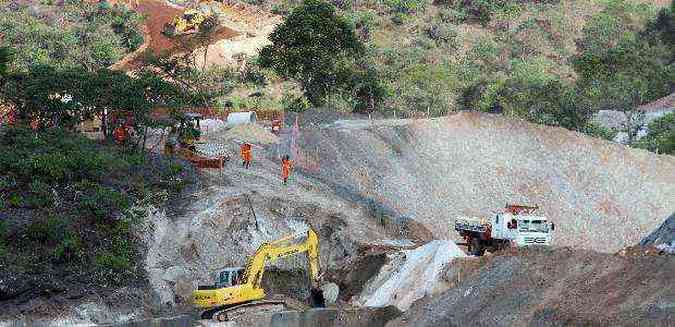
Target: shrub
(442, 34)
(3, 238)
(294, 103)
(15, 200)
(69, 248)
(483, 10)
(660, 136)
(102, 202)
(252, 73)
(110, 261)
(405, 6)
(597, 130)
(50, 229)
(479, 10)
(452, 15)
(398, 18)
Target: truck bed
(470, 224)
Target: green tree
(5, 58)
(315, 47)
(66, 97)
(615, 60)
(72, 34)
(660, 137)
(191, 85)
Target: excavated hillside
(383, 183)
(555, 287)
(602, 196)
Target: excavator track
(246, 309)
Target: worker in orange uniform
(120, 134)
(286, 167)
(246, 155)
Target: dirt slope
(601, 195)
(662, 236)
(561, 287)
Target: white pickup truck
(516, 224)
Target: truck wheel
(476, 248)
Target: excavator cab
(230, 277)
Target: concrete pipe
(237, 118)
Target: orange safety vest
(11, 118)
(120, 134)
(34, 124)
(286, 166)
(246, 152)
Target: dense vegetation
(67, 202)
(661, 135)
(67, 205)
(77, 33)
(527, 59)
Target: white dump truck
(515, 225)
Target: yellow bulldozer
(199, 14)
(186, 23)
(238, 290)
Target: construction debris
(212, 150)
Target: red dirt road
(157, 14)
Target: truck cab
(524, 230)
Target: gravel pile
(212, 150)
(252, 133)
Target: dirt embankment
(561, 287)
(602, 196)
(157, 14)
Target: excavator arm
(251, 289)
(291, 245)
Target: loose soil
(555, 287)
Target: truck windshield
(539, 226)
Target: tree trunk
(145, 136)
(104, 124)
(206, 51)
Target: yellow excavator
(238, 290)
